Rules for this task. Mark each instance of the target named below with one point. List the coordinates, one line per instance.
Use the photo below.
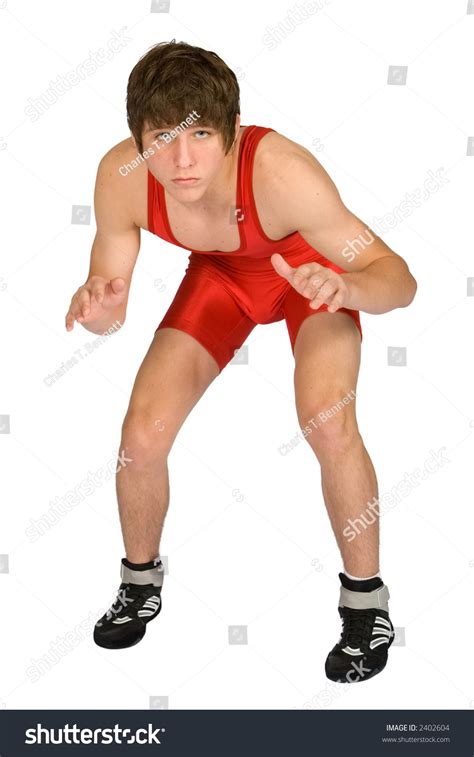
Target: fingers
(84, 304)
(311, 286)
(336, 302)
(98, 290)
(301, 275)
(79, 308)
(307, 273)
(72, 315)
(325, 293)
(69, 321)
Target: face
(195, 154)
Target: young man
(269, 239)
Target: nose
(182, 152)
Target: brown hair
(171, 80)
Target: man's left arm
(383, 285)
(375, 280)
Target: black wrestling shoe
(367, 631)
(138, 601)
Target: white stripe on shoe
(351, 651)
(150, 607)
(377, 642)
(382, 631)
(382, 621)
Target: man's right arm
(114, 250)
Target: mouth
(185, 182)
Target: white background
(247, 539)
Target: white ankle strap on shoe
(152, 576)
(365, 600)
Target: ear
(237, 125)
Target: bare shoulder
(280, 160)
(123, 151)
(109, 163)
(121, 182)
(286, 178)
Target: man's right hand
(94, 298)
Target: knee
(146, 439)
(330, 427)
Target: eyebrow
(170, 128)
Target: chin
(191, 194)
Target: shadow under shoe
(138, 602)
(367, 634)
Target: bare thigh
(174, 374)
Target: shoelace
(127, 596)
(357, 626)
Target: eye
(161, 133)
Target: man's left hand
(316, 282)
